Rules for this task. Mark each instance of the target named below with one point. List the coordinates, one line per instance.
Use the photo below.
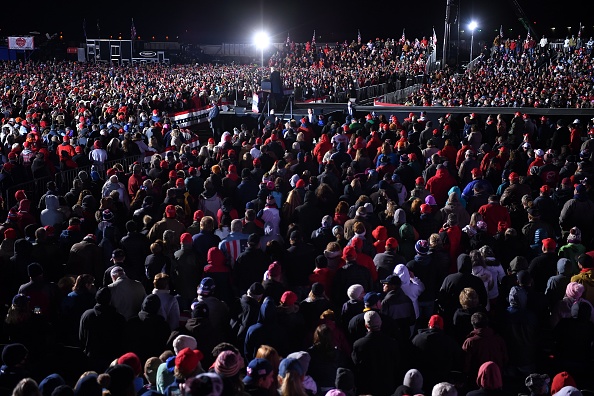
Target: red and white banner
(188, 118)
(21, 43)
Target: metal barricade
(34, 189)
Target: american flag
(358, 37)
(501, 31)
(133, 30)
(403, 39)
(434, 40)
(313, 39)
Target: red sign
(72, 50)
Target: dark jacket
(436, 355)
(377, 364)
(249, 268)
(349, 274)
(266, 331)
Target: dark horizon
(236, 22)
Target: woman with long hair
(341, 213)
(290, 378)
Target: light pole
(262, 41)
(471, 26)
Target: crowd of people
(522, 75)
(367, 255)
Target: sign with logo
(72, 50)
(148, 54)
(21, 43)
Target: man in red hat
(169, 222)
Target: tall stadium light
(472, 26)
(262, 41)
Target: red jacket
(493, 213)
(439, 185)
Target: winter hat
(354, 291)
(414, 380)
(561, 380)
(575, 235)
(228, 364)
(198, 215)
(256, 290)
(132, 360)
(10, 233)
(574, 290)
(327, 221)
(422, 246)
(317, 289)
(188, 359)
(183, 341)
(335, 392)
(293, 180)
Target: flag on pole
(501, 31)
(434, 40)
(358, 37)
(403, 39)
(313, 39)
(133, 30)
(85, 28)
(288, 39)
(580, 30)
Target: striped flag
(313, 39)
(288, 39)
(403, 39)
(358, 37)
(501, 31)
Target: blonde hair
(291, 384)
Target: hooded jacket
(51, 215)
(266, 331)
(557, 284)
(440, 184)
(453, 284)
(411, 287)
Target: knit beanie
(228, 364)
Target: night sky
(215, 22)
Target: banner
(191, 117)
(21, 43)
